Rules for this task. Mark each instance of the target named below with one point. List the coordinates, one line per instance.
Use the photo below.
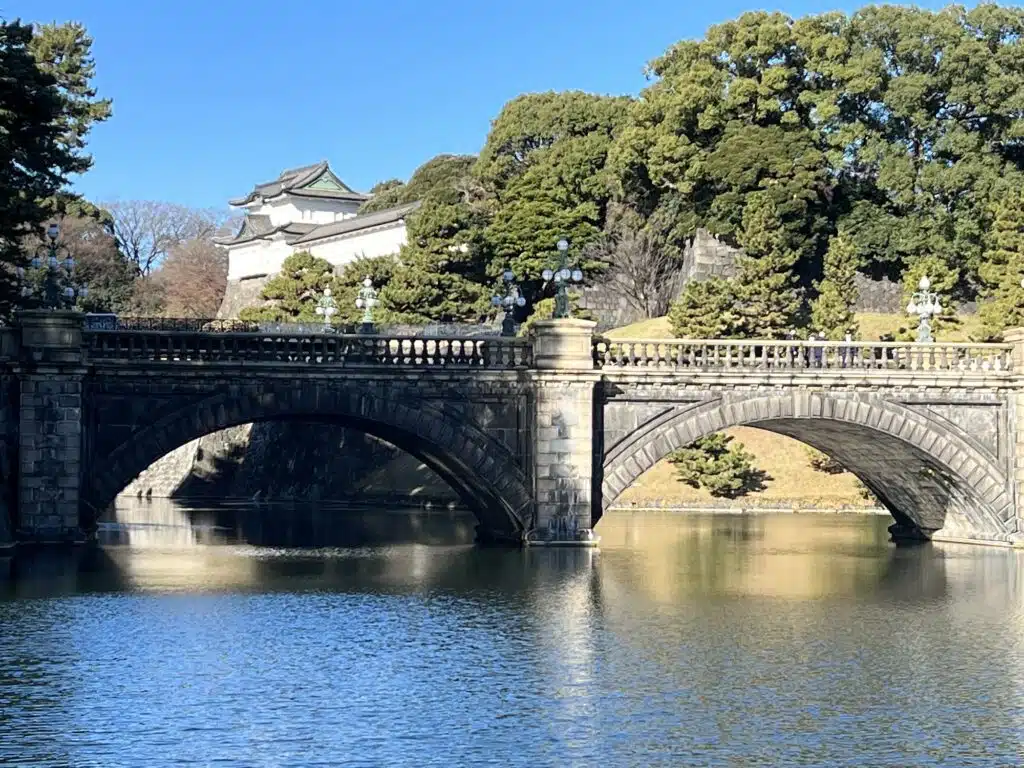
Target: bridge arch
(479, 468)
(930, 475)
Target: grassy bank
(873, 326)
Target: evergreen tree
(440, 171)
(832, 310)
(47, 107)
(706, 309)
(767, 296)
(822, 462)
(380, 270)
(870, 121)
(292, 294)
(716, 465)
(1002, 270)
(385, 194)
(443, 275)
(544, 166)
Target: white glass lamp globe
(562, 245)
(911, 308)
(327, 292)
(69, 263)
(496, 301)
(83, 291)
(367, 282)
(53, 231)
(36, 263)
(69, 292)
(577, 276)
(936, 308)
(52, 262)
(925, 284)
(359, 303)
(508, 276)
(520, 302)
(547, 274)
(319, 310)
(565, 274)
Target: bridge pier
(50, 428)
(1015, 337)
(564, 383)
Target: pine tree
(767, 296)
(706, 309)
(832, 311)
(822, 462)
(1003, 268)
(46, 110)
(292, 294)
(722, 469)
(443, 274)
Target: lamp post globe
(327, 308)
(366, 301)
(55, 288)
(562, 276)
(512, 299)
(925, 304)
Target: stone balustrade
(318, 349)
(696, 354)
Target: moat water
(786, 640)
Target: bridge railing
(323, 349)
(800, 355)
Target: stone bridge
(537, 436)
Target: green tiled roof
(316, 180)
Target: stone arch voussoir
(960, 463)
(479, 467)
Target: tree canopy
(47, 107)
(898, 125)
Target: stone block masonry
(50, 455)
(564, 452)
(535, 437)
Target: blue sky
(213, 96)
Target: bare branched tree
(146, 230)
(639, 268)
(193, 278)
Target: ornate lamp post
(509, 302)
(562, 277)
(326, 308)
(367, 301)
(925, 304)
(57, 291)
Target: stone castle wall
(703, 257)
(240, 294)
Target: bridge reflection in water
(167, 524)
(686, 639)
(663, 557)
